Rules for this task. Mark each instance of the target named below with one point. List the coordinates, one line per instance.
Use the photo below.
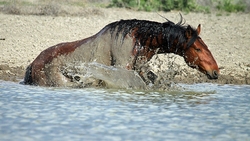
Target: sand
(23, 37)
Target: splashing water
(95, 74)
(98, 75)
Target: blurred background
(78, 7)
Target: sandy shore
(23, 37)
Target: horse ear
(198, 30)
(189, 32)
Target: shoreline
(23, 37)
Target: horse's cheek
(188, 56)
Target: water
(200, 112)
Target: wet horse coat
(126, 44)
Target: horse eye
(198, 50)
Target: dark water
(200, 112)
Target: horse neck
(157, 47)
(162, 43)
(166, 46)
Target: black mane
(150, 30)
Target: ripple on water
(198, 112)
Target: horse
(125, 44)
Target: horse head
(197, 54)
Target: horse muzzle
(214, 74)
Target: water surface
(199, 112)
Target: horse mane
(149, 30)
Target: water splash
(98, 75)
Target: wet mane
(150, 30)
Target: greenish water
(199, 112)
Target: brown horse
(126, 44)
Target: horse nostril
(215, 74)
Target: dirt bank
(23, 37)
